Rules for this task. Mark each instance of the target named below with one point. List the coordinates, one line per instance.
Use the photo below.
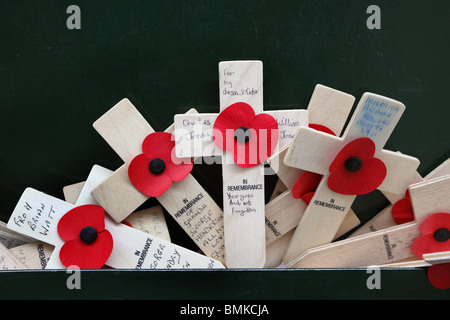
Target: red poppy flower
(251, 138)
(307, 183)
(402, 211)
(435, 235)
(88, 244)
(439, 275)
(305, 186)
(355, 171)
(153, 171)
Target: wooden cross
(375, 118)
(384, 218)
(36, 215)
(330, 108)
(388, 246)
(150, 220)
(124, 129)
(243, 188)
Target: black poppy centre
(442, 235)
(242, 134)
(157, 166)
(353, 164)
(88, 234)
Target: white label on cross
(375, 117)
(243, 188)
(37, 216)
(124, 128)
(384, 246)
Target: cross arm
(401, 170)
(311, 150)
(124, 129)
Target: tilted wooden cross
(125, 129)
(384, 218)
(389, 246)
(150, 220)
(243, 187)
(330, 108)
(37, 215)
(373, 168)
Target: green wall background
(163, 56)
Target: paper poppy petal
(177, 168)
(439, 275)
(434, 222)
(71, 224)
(428, 244)
(307, 182)
(363, 148)
(402, 211)
(266, 128)
(158, 144)
(306, 197)
(87, 256)
(237, 115)
(363, 181)
(150, 184)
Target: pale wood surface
(375, 117)
(72, 192)
(34, 255)
(385, 246)
(243, 210)
(117, 195)
(8, 261)
(150, 220)
(134, 248)
(11, 239)
(384, 219)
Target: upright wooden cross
(124, 128)
(386, 246)
(243, 187)
(371, 125)
(37, 215)
(330, 108)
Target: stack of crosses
(247, 232)
(375, 117)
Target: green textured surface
(163, 56)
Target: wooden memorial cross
(384, 218)
(387, 246)
(37, 216)
(330, 108)
(241, 87)
(358, 163)
(150, 220)
(125, 129)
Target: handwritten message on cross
(131, 137)
(38, 216)
(351, 165)
(243, 137)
